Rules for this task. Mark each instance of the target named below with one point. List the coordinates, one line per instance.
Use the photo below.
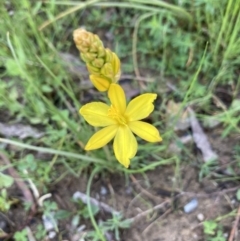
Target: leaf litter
(187, 119)
(200, 138)
(19, 130)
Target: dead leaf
(19, 130)
(200, 138)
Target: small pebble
(191, 206)
(103, 191)
(97, 196)
(52, 234)
(11, 13)
(49, 224)
(3, 224)
(81, 228)
(195, 236)
(225, 235)
(200, 217)
(129, 190)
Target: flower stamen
(114, 113)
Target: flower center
(114, 113)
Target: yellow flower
(120, 121)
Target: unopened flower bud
(103, 64)
(101, 83)
(107, 70)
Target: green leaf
(238, 194)
(13, 68)
(46, 88)
(85, 212)
(62, 214)
(5, 180)
(209, 227)
(21, 235)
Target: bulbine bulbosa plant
(119, 120)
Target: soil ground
(161, 186)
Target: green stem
(54, 152)
(134, 42)
(68, 11)
(151, 166)
(233, 38)
(77, 6)
(163, 4)
(36, 88)
(100, 234)
(190, 89)
(223, 28)
(70, 94)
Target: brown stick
(146, 230)
(144, 191)
(144, 213)
(234, 227)
(217, 193)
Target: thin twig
(131, 203)
(152, 223)
(8, 220)
(30, 234)
(112, 194)
(140, 215)
(217, 193)
(43, 198)
(234, 228)
(144, 191)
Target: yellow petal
(140, 107)
(124, 145)
(96, 114)
(100, 83)
(101, 138)
(117, 97)
(144, 130)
